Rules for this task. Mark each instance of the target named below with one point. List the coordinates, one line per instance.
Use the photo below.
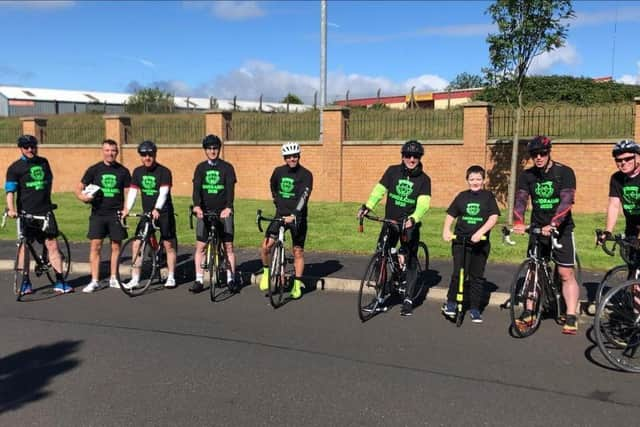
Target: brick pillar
(36, 126)
(118, 128)
(637, 127)
(476, 132)
(333, 133)
(218, 122)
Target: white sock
(199, 277)
(170, 276)
(229, 276)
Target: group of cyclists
(111, 190)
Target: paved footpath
(327, 271)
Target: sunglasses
(292, 156)
(30, 147)
(146, 154)
(625, 159)
(543, 153)
(212, 148)
(411, 156)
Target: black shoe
(197, 287)
(407, 308)
(232, 286)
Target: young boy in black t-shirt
(476, 212)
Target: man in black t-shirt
(103, 186)
(476, 212)
(29, 182)
(408, 191)
(214, 183)
(154, 181)
(291, 185)
(552, 187)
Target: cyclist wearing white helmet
(291, 186)
(624, 189)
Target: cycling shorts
(32, 228)
(223, 227)
(564, 256)
(106, 226)
(166, 224)
(298, 231)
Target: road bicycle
(463, 276)
(214, 263)
(30, 248)
(384, 275)
(536, 288)
(281, 270)
(142, 255)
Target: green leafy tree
(466, 81)
(291, 99)
(150, 100)
(526, 29)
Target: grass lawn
(334, 228)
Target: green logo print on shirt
(108, 185)
(211, 182)
(472, 210)
(544, 190)
(37, 175)
(631, 199)
(286, 187)
(404, 188)
(149, 185)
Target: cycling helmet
(147, 147)
(625, 146)
(539, 143)
(211, 141)
(290, 148)
(412, 147)
(27, 141)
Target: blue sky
(221, 49)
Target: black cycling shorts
(32, 228)
(298, 231)
(203, 226)
(564, 256)
(166, 224)
(106, 226)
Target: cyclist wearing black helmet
(214, 183)
(154, 182)
(408, 191)
(552, 187)
(624, 189)
(29, 181)
(111, 179)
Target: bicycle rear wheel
(142, 261)
(65, 257)
(277, 277)
(371, 293)
(525, 301)
(617, 326)
(20, 265)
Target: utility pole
(323, 60)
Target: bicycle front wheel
(277, 277)
(614, 277)
(20, 266)
(65, 258)
(422, 262)
(525, 300)
(136, 268)
(617, 326)
(215, 276)
(371, 293)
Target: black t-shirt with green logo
(472, 209)
(544, 187)
(403, 188)
(112, 180)
(148, 182)
(34, 179)
(627, 189)
(287, 187)
(214, 185)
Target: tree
(526, 29)
(291, 99)
(150, 100)
(466, 81)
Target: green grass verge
(334, 228)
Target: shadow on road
(25, 374)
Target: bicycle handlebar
(375, 218)
(260, 218)
(536, 231)
(209, 215)
(618, 241)
(147, 215)
(466, 238)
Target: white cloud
(257, 78)
(231, 10)
(630, 79)
(542, 63)
(37, 4)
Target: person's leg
(94, 259)
(477, 262)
